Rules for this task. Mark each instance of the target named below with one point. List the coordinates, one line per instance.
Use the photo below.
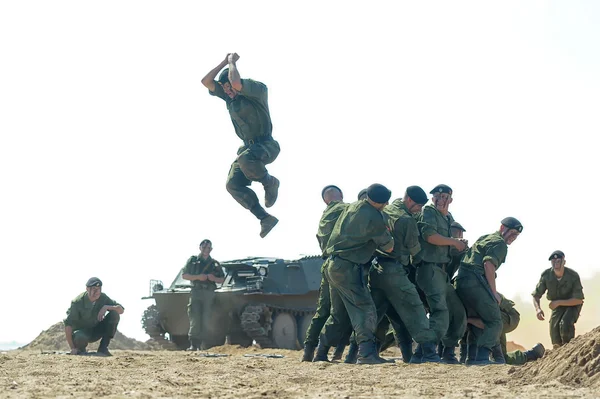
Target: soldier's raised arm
(209, 80)
(234, 75)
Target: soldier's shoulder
(571, 272)
(192, 258)
(546, 273)
(79, 298)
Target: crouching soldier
(92, 316)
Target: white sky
(113, 156)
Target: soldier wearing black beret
(565, 294)
(476, 287)
(92, 316)
(362, 194)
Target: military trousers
(510, 321)
(478, 300)
(321, 314)
(447, 317)
(391, 288)
(562, 324)
(250, 166)
(200, 309)
(350, 301)
(104, 329)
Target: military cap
(362, 193)
(417, 194)
(94, 282)
(327, 188)
(556, 255)
(456, 225)
(441, 188)
(378, 193)
(512, 223)
(224, 76)
(205, 241)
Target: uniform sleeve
(409, 228)
(496, 255)
(577, 289)
(111, 302)
(254, 89)
(382, 237)
(540, 288)
(72, 314)
(219, 92)
(427, 223)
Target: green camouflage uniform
(249, 112)
(388, 280)
(446, 313)
(563, 319)
(474, 290)
(330, 216)
(202, 297)
(359, 230)
(82, 316)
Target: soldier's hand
(540, 314)
(460, 245)
(74, 351)
(202, 277)
(553, 305)
(101, 313)
(210, 277)
(232, 58)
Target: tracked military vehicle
(266, 300)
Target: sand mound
(575, 364)
(54, 339)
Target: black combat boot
(471, 353)
(417, 357)
(406, 349)
(367, 354)
(267, 224)
(103, 347)
(194, 345)
(352, 354)
(309, 353)
(449, 355)
(497, 355)
(430, 354)
(339, 351)
(535, 353)
(463, 353)
(271, 185)
(322, 351)
(482, 358)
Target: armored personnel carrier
(266, 300)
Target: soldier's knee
(80, 340)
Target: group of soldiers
(385, 265)
(394, 264)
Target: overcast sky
(114, 157)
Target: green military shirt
(83, 313)
(360, 230)
(489, 247)
(330, 215)
(432, 221)
(196, 265)
(568, 287)
(249, 110)
(404, 231)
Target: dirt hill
(54, 339)
(576, 364)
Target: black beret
(441, 188)
(205, 241)
(94, 282)
(327, 188)
(557, 254)
(378, 193)
(456, 225)
(224, 76)
(417, 194)
(362, 193)
(512, 223)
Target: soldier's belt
(259, 139)
(205, 287)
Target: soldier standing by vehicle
(333, 198)
(88, 321)
(389, 283)
(247, 103)
(359, 230)
(565, 294)
(205, 273)
(476, 285)
(443, 303)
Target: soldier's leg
(555, 319)
(516, 358)
(318, 321)
(81, 339)
(432, 280)
(567, 323)
(195, 316)
(457, 322)
(208, 330)
(252, 161)
(338, 323)
(238, 186)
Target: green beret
(512, 223)
(441, 188)
(205, 241)
(224, 76)
(327, 188)
(378, 193)
(456, 225)
(557, 255)
(417, 194)
(362, 194)
(94, 282)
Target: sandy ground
(160, 374)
